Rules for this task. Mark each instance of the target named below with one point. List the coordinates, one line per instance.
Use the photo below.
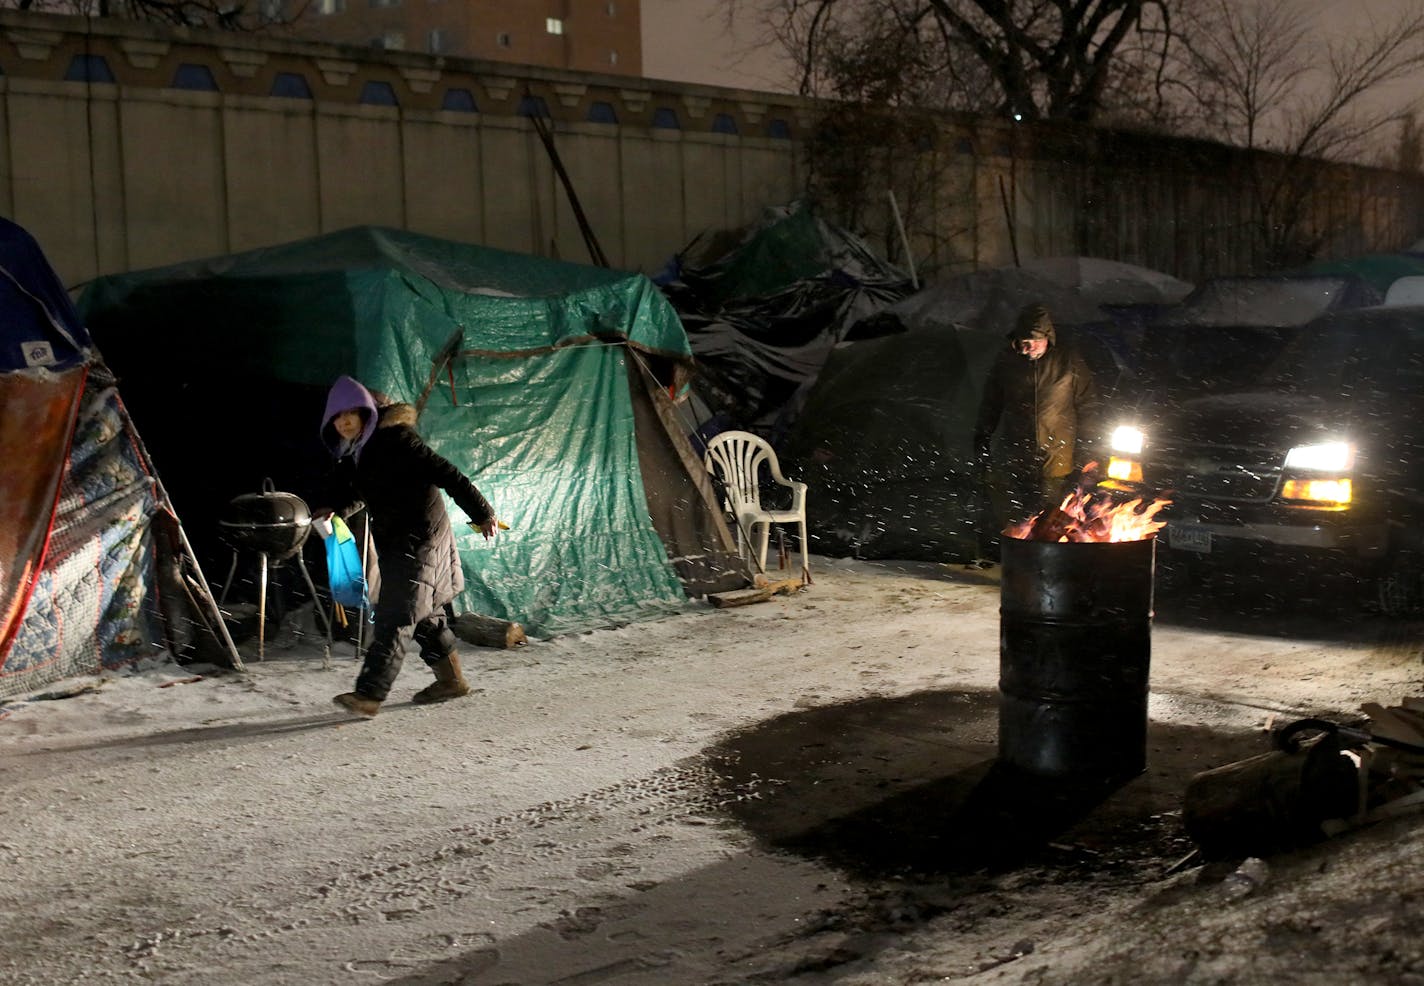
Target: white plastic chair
(736, 458)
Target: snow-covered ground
(782, 792)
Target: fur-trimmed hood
(397, 413)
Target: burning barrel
(1075, 646)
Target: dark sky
(686, 40)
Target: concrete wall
(132, 173)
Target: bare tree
(1030, 59)
(877, 133)
(1257, 76)
(889, 68)
(226, 15)
(1408, 151)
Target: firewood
(1397, 723)
(778, 587)
(1049, 525)
(738, 597)
(487, 631)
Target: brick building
(583, 35)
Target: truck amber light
(1327, 492)
(1124, 470)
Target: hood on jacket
(347, 394)
(393, 413)
(1033, 322)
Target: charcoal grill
(273, 525)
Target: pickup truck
(1319, 460)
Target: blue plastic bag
(343, 566)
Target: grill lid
(271, 522)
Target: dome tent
(545, 382)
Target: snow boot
(449, 682)
(358, 703)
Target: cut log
(487, 631)
(738, 597)
(1270, 803)
(762, 590)
(778, 587)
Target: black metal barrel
(1075, 647)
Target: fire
(1088, 516)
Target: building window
(601, 112)
(613, 57)
(459, 101)
(291, 85)
(665, 118)
(533, 106)
(378, 94)
(502, 39)
(723, 123)
(88, 68)
(195, 77)
(271, 10)
(554, 25)
(437, 41)
(329, 7)
(390, 41)
(612, 10)
(779, 129)
(384, 3)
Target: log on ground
(487, 631)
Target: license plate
(1188, 537)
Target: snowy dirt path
(567, 823)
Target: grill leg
(321, 616)
(261, 605)
(228, 584)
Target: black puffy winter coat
(398, 478)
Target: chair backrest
(735, 457)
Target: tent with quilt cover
(549, 384)
(92, 572)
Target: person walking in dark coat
(385, 466)
(1039, 396)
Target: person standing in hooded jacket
(1039, 396)
(384, 465)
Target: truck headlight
(1127, 439)
(1124, 468)
(1327, 457)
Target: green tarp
(535, 406)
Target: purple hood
(346, 395)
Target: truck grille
(1214, 473)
